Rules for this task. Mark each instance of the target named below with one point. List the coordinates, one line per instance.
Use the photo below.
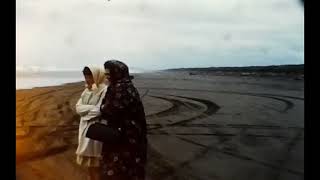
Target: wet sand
(199, 127)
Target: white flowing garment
(88, 107)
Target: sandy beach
(199, 128)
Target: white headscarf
(98, 78)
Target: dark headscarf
(119, 71)
(121, 92)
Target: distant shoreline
(50, 86)
(295, 71)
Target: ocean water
(28, 83)
(31, 80)
(28, 80)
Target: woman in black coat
(124, 111)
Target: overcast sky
(159, 34)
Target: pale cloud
(160, 33)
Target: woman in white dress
(88, 107)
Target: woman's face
(107, 74)
(89, 80)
